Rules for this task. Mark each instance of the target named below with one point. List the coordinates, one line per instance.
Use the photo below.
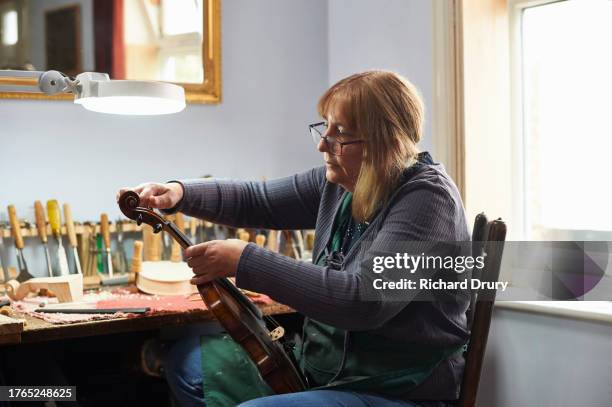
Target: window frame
(520, 154)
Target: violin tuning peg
(157, 228)
(139, 220)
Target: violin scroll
(128, 203)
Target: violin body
(242, 320)
(252, 334)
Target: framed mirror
(176, 41)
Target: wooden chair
(484, 238)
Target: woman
(361, 346)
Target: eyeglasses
(317, 131)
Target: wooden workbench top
(36, 330)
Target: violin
(242, 320)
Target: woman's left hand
(214, 259)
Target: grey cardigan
(425, 207)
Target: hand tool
(104, 228)
(176, 254)
(137, 258)
(111, 278)
(55, 220)
(41, 225)
(94, 310)
(72, 239)
(202, 235)
(298, 240)
(119, 257)
(99, 253)
(260, 240)
(274, 240)
(243, 235)
(152, 244)
(24, 274)
(90, 255)
(193, 228)
(3, 260)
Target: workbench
(35, 330)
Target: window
(180, 45)
(562, 83)
(10, 28)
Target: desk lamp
(98, 93)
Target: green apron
(229, 377)
(330, 358)
(335, 358)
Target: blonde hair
(386, 111)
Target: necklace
(353, 232)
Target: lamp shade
(98, 93)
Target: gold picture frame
(208, 92)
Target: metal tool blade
(3, 259)
(48, 258)
(77, 260)
(109, 260)
(63, 259)
(24, 274)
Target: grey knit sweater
(426, 207)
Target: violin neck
(178, 235)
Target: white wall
(546, 361)
(395, 35)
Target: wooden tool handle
(193, 226)
(260, 240)
(104, 229)
(309, 241)
(137, 257)
(70, 225)
(15, 227)
(55, 219)
(273, 240)
(180, 221)
(41, 222)
(152, 244)
(244, 235)
(176, 253)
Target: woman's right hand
(155, 195)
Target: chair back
(485, 238)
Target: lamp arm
(52, 82)
(49, 82)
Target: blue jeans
(184, 375)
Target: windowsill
(599, 311)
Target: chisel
(72, 239)
(3, 260)
(176, 254)
(24, 274)
(260, 240)
(41, 225)
(55, 220)
(142, 310)
(119, 256)
(167, 240)
(193, 227)
(104, 229)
